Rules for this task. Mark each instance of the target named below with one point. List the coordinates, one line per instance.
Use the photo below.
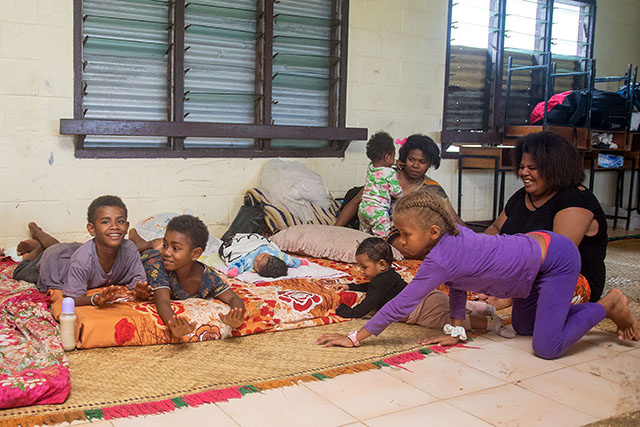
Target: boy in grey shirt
(106, 260)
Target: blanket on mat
(33, 366)
(271, 306)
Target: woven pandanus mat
(122, 381)
(623, 267)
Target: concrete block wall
(395, 83)
(396, 66)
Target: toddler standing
(380, 187)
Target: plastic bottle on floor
(68, 324)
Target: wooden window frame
(176, 129)
(492, 134)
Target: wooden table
(496, 158)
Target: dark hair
(376, 249)
(273, 267)
(557, 161)
(379, 145)
(192, 227)
(426, 208)
(424, 144)
(104, 201)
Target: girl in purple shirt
(539, 270)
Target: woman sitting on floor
(416, 156)
(554, 199)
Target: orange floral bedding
(271, 306)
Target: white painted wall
(396, 83)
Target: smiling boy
(174, 272)
(106, 260)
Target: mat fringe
(221, 395)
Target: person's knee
(546, 350)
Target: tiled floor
(500, 382)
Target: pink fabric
(34, 369)
(538, 111)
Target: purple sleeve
(457, 303)
(429, 276)
(75, 283)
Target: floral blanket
(271, 306)
(33, 366)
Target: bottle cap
(68, 306)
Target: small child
(104, 261)
(174, 272)
(245, 251)
(381, 185)
(374, 256)
(539, 270)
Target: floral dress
(382, 185)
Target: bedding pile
(271, 306)
(33, 366)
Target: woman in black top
(554, 199)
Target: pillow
(323, 241)
(294, 187)
(155, 227)
(278, 218)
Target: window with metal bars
(210, 78)
(482, 35)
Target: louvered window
(228, 78)
(483, 34)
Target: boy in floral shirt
(173, 271)
(381, 186)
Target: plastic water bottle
(68, 324)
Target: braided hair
(427, 209)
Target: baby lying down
(246, 251)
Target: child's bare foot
(142, 244)
(617, 307)
(28, 245)
(45, 239)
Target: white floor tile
(505, 362)
(370, 394)
(287, 406)
(85, 423)
(635, 353)
(432, 414)
(621, 368)
(585, 392)
(443, 377)
(513, 406)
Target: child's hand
(340, 287)
(108, 294)
(329, 340)
(443, 340)
(234, 318)
(180, 326)
(142, 291)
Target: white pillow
(324, 241)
